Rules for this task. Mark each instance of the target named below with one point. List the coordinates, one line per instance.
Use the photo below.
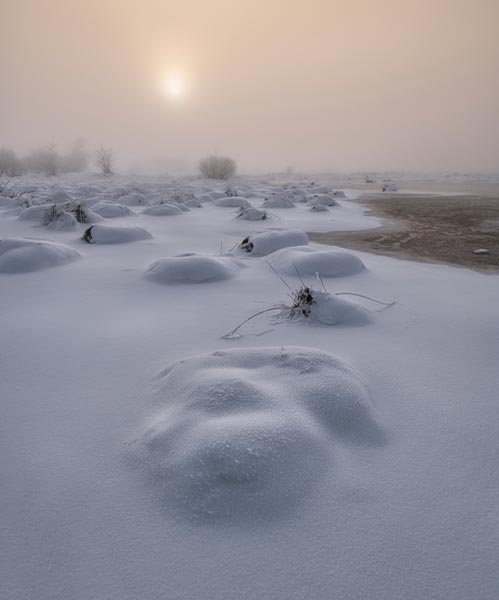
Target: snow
(265, 242)
(26, 255)
(108, 234)
(192, 268)
(374, 476)
(245, 434)
(278, 202)
(163, 210)
(111, 210)
(305, 260)
(232, 202)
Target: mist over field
(320, 85)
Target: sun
(174, 86)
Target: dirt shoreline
(444, 228)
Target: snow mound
(34, 213)
(318, 208)
(61, 221)
(252, 214)
(265, 242)
(278, 202)
(192, 268)
(111, 210)
(232, 202)
(133, 199)
(329, 309)
(328, 263)
(247, 434)
(323, 200)
(108, 234)
(26, 255)
(163, 210)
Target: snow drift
(192, 268)
(308, 261)
(163, 210)
(265, 242)
(108, 234)
(26, 255)
(246, 434)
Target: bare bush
(43, 160)
(105, 160)
(10, 165)
(217, 167)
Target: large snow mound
(265, 242)
(26, 255)
(192, 268)
(246, 434)
(108, 234)
(307, 261)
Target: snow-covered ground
(146, 456)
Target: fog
(334, 84)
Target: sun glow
(174, 86)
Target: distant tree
(76, 160)
(217, 167)
(43, 160)
(105, 160)
(10, 165)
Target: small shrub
(105, 160)
(217, 167)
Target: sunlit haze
(317, 85)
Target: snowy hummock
(26, 255)
(108, 234)
(265, 242)
(245, 434)
(192, 268)
(163, 210)
(305, 261)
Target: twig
(366, 297)
(298, 273)
(231, 333)
(280, 277)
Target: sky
(340, 85)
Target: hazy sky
(315, 84)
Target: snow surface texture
(415, 518)
(26, 255)
(107, 234)
(245, 434)
(308, 261)
(262, 243)
(192, 268)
